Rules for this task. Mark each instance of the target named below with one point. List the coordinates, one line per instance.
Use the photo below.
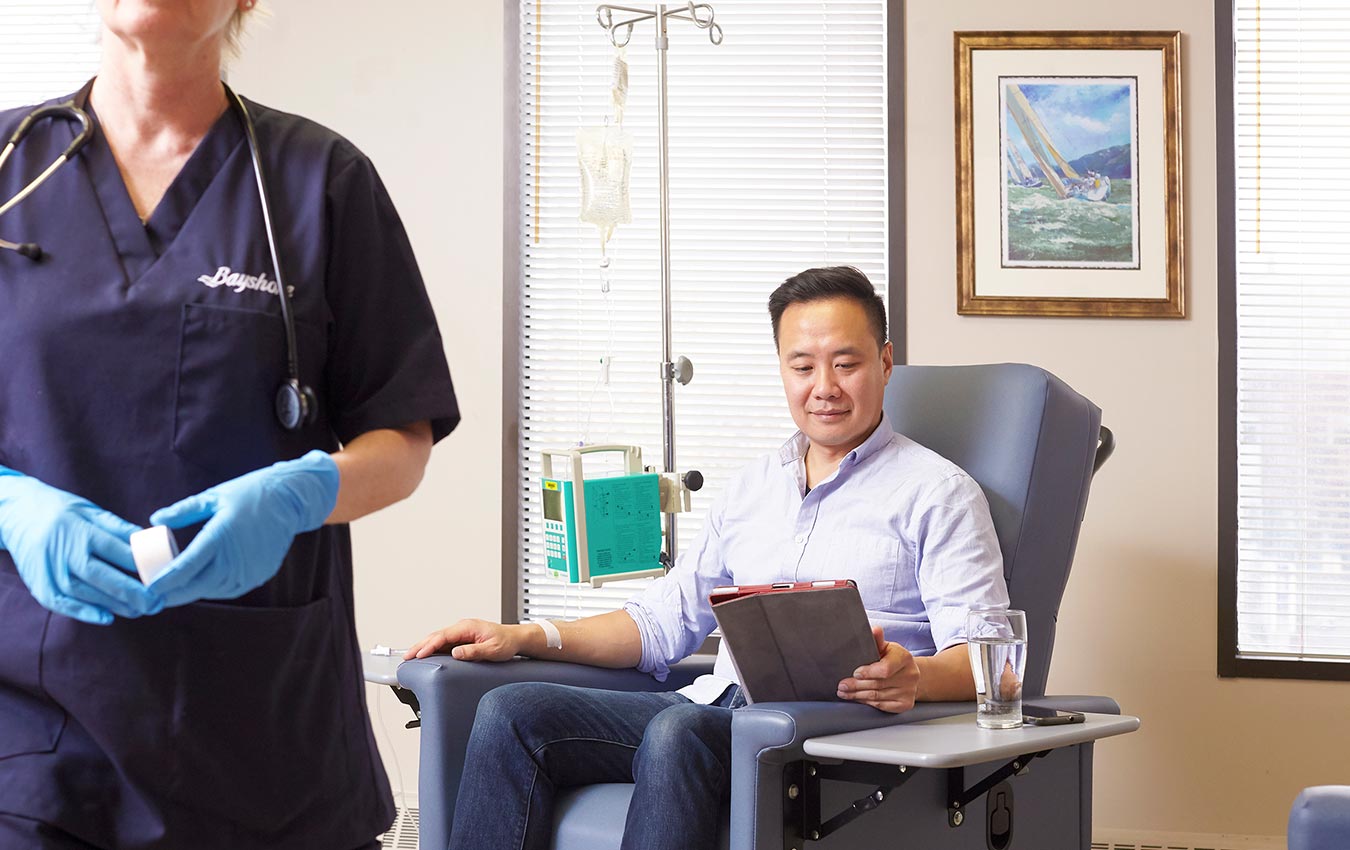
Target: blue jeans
(532, 739)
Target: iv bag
(605, 157)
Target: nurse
(222, 705)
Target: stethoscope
(295, 403)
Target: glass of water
(997, 641)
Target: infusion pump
(601, 528)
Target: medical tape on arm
(551, 633)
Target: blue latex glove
(71, 553)
(251, 521)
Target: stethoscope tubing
(292, 359)
(66, 110)
(300, 397)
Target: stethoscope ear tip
(27, 249)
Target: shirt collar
(794, 450)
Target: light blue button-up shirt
(910, 527)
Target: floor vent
(1185, 841)
(403, 834)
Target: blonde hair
(234, 30)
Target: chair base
(1042, 807)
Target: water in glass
(999, 664)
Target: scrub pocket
(230, 364)
(258, 718)
(29, 721)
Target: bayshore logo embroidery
(238, 281)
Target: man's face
(833, 373)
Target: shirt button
(801, 538)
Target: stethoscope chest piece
(296, 405)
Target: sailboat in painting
(1062, 177)
(1018, 172)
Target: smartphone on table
(1035, 715)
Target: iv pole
(620, 33)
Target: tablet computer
(728, 592)
(793, 641)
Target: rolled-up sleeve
(959, 564)
(672, 613)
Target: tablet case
(796, 646)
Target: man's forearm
(946, 677)
(605, 640)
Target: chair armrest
(1320, 818)
(448, 692)
(773, 732)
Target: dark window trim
(895, 178)
(513, 268)
(1230, 663)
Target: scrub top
(138, 365)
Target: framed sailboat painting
(1068, 161)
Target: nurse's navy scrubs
(138, 365)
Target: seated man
(845, 497)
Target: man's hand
(891, 684)
(603, 640)
(472, 640)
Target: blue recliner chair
(1320, 819)
(1033, 444)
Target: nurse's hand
(71, 553)
(250, 523)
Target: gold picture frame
(1068, 174)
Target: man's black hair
(823, 284)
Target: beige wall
(418, 86)
(1139, 620)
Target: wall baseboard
(1130, 839)
(403, 835)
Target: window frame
(513, 267)
(1231, 663)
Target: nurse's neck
(155, 103)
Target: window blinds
(777, 164)
(47, 49)
(1292, 89)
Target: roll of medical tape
(152, 549)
